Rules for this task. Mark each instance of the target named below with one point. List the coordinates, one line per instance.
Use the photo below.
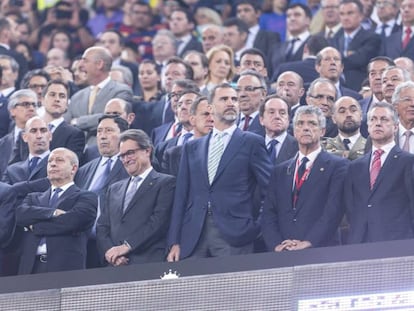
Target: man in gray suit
(88, 105)
(134, 223)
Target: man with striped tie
(214, 207)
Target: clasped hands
(292, 245)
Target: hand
(174, 254)
(58, 212)
(121, 261)
(285, 245)
(113, 253)
(301, 245)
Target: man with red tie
(310, 215)
(379, 197)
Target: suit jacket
(288, 150)
(161, 148)
(68, 136)
(4, 117)
(20, 59)
(243, 165)
(20, 171)
(392, 46)
(7, 215)
(171, 160)
(78, 109)
(387, 211)
(318, 209)
(143, 224)
(265, 41)
(159, 134)
(365, 105)
(364, 46)
(336, 146)
(305, 68)
(66, 235)
(192, 45)
(12, 152)
(256, 127)
(348, 92)
(280, 51)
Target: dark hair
(196, 103)
(188, 14)
(70, 51)
(189, 73)
(253, 4)
(122, 124)
(152, 62)
(202, 56)
(187, 85)
(305, 8)
(385, 59)
(357, 3)
(224, 85)
(57, 81)
(33, 73)
(139, 136)
(117, 32)
(234, 21)
(262, 106)
(316, 44)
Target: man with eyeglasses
(303, 206)
(133, 225)
(379, 186)
(322, 93)
(22, 106)
(36, 80)
(98, 174)
(251, 92)
(330, 13)
(390, 79)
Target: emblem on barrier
(170, 275)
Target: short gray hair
(14, 99)
(385, 105)
(13, 63)
(310, 110)
(397, 93)
(126, 74)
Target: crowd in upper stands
(139, 131)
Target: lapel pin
(322, 169)
(395, 156)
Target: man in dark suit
(235, 36)
(379, 186)
(8, 78)
(298, 20)
(303, 206)
(22, 106)
(57, 221)
(98, 174)
(38, 137)
(55, 102)
(249, 12)
(87, 105)
(289, 86)
(387, 12)
(134, 223)
(356, 44)
(182, 25)
(251, 91)
(401, 43)
(329, 65)
(206, 219)
(306, 67)
(7, 218)
(202, 123)
(274, 116)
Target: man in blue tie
(303, 206)
(57, 222)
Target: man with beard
(213, 211)
(349, 143)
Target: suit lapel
(114, 172)
(204, 142)
(387, 167)
(42, 164)
(143, 188)
(94, 166)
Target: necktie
(406, 146)
(33, 163)
(330, 34)
(271, 148)
(407, 37)
(215, 153)
(302, 168)
(186, 137)
(383, 33)
(346, 142)
(246, 123)
(177, 128)
(92, 97)
(52, 204)
(100, 181)
(132, 189)
(376, 166)
(51, 127)
(347, 41)
(291, 49)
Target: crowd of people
(134, 133)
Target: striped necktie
(216, 151)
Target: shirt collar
(145, 173)
(230, 130)
(64, 187)
(281, 138)
(41, 156)
(311, 156)
(102, 84)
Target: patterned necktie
(215, 153)
(132, 189)
(271, 148)
(376, 166)
(406, 146)
(346, 142)
(100, 181)
(33, 163)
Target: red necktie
(376, 166)
(246, 123)
(407, 37)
